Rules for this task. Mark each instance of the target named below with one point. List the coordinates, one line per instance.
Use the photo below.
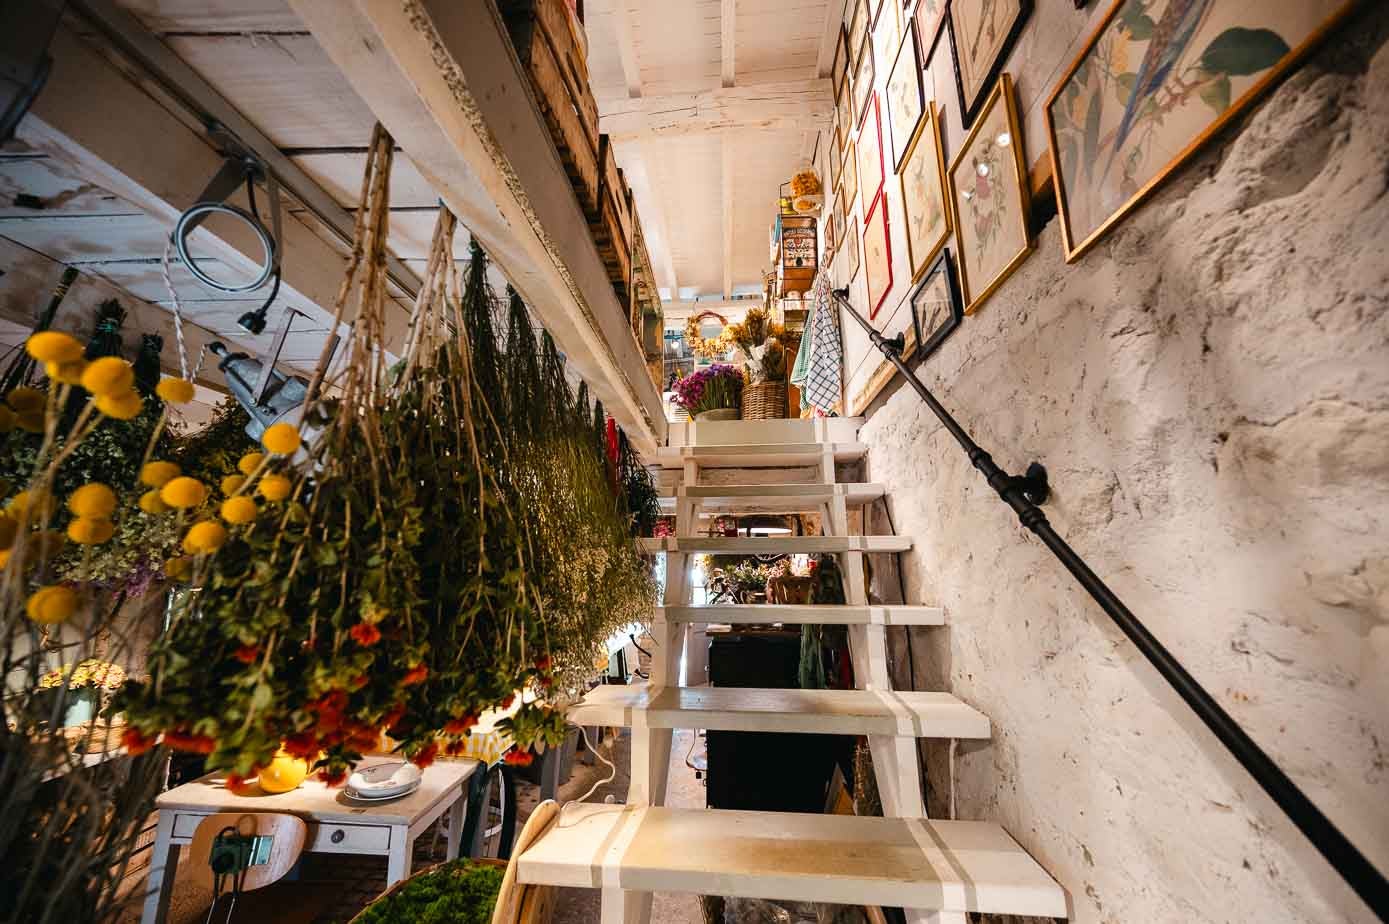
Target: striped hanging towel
(823, 380)
(802, 367)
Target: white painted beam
(445, 81)
(626, 47)
(652, 215)
(728, 30)
(726, 182)
(829, 37)
(796, 105)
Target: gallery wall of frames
(958, 123)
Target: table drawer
(331, 837)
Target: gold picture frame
(839, 216)
(994, 187)
(872, 171)
(1238, 55)
(852, 244)
(857, 31)
(863, 84)
(849, 176)
(926, 232)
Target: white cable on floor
(612, 768)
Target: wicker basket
(537, 907)
(764, 401)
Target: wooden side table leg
(456, 817)
(398, 860)
(163, 871)
(621, 907)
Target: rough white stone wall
(1209, 389)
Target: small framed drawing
(863, 84)
(850, 177)
(844, 111)
(981, 34)
(875, 9)
(877, 254)
(834, 153)
(1114, 137)
(839, 71)
(906, 101)
(858, 30)
(923, 195)
(827, 232)
(870, 156)
(838, 214)
(887, 34)
(929, 16)
(851, 246)
(936, 306)
(988, 188)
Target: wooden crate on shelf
(550, 43)
(611, 222)
(646, 312)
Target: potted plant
(460, 892)
(712, 393)
(764, 344)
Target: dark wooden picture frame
(900, 137)
(863, 81)
(839, 71)
(855, 43)
(969, 108)
(928, 341)
(926, 31)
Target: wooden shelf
(766, 613)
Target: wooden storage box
(611, 222)
(550, 44)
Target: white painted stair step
(826, 712)
(772, 498)
(770, 545)
(951, 866)
(826, 615)
(758, 455)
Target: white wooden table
(336, 824)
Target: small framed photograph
(871, 172)
(877, 254)
(936, 306)
(982, 32)
(906, 100)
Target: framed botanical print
(923, 195)
(870, 156)
(981, 33)
(839, 71)
(858, 30)
(936, 306)
(929, 16)
(906, 100)
(877, 254)
(850, 184)
(835, 152)
(1132, 109)
(988, 187)
(851, 246)
(844, 110)
(887, 34)
(839, 215)
(863, 84)
(875, 9)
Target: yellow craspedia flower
(250, 462)
(204, 537)
(31, 421)
(158, 474)
(52, 604)
(9, 529)
(281, 439)
(152, 503)
(4, 559)
(8, 419)
(90, 530)
(239, 509)
(109, 375)
(183, 492)
(175, 391)
(54, 346)
(125, 405)
(25, 398)
(93, 500)
(67, 373)
(23, 500)
(275, 487)
(178, 569)
(232, 483)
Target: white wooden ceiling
(708, 103)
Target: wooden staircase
(937, 870)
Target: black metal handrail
(1023, 493)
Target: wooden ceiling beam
(626, 47)
(728, 30)
(444, 80)
(795, 105)
(829, 37)
(729, 166)
(653, 217)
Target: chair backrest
(272, 859)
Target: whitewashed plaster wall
(1209, 389)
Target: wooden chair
(286, 832)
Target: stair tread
(757, 455)
(772, 498)
(776, 544)
(844, 859)
(909, 714)
(736, 613)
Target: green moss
(455, 893)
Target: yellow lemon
(238, 510)
(183, 492)
(52, 604)
(93, 500)
(250, 462)
(204, 537)
(175, 391)
(109, 375)
(275, 487)
(54, 346)
(232, 483)
(67, 373)
(90, 530)
(25, 398)
(152, 503)
(125, 405)
(284, 773)
(158, 474)
(281, 439)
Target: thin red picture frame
(879, 206)
(875, 106)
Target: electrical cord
(254, 321)
(200, 210)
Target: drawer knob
(337, 836)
